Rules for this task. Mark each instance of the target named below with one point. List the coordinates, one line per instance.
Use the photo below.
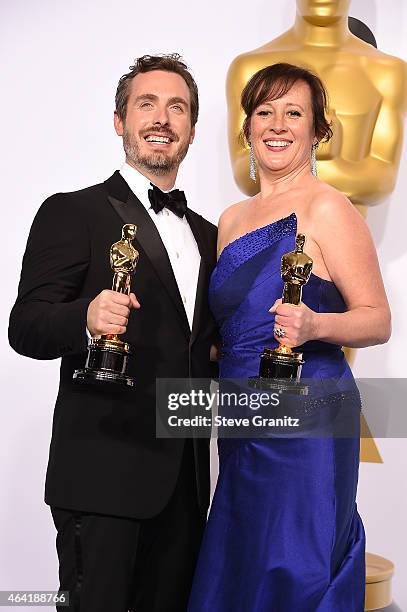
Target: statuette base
(107, 361)
(280, 364)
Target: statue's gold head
(129, 231)
(323, 12)
(299, 242)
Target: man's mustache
(163, 131)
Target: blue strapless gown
(283, 534)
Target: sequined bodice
(245, 284)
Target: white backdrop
(61, 62)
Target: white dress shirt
(177, 237)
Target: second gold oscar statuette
(283, 363)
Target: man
(129, 508)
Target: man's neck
(330, 35)
(165, 182)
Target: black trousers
(113, 564)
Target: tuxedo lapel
(201, 298)
(131, 210)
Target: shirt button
(177, 254)
(184, 299)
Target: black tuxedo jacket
(104, 456)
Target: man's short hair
(169, 63)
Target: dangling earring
(314, 171)
(252, 172)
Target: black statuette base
(281, 385)
(106, 359)
(105, 364)
(278, 365)
(98, 376)
(281, 372)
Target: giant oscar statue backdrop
(367, 100)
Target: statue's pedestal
(379, 572)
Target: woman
(284, 534)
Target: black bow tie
(174, 200)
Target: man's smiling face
(157, 128)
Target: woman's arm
(350, 257)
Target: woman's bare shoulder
(329, 206)
(228, 222)
(232, 211)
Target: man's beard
(158, 163)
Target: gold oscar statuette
(107, 359)
(284, 363)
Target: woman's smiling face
(282, 131)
